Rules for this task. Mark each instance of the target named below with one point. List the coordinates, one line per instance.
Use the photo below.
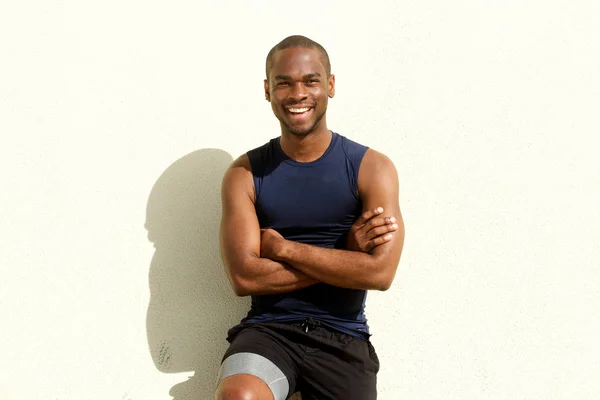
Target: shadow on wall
(191, 303)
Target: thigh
(342, 368)
(256, 352)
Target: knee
(235, 393)
(239, 388)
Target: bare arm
(378, 186)
(240, 238)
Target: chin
(297, 132)
(303, 130)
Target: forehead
(297, 62)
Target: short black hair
(298, 41)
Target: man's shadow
(191, 303)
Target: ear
(331, 86)
(267, 92)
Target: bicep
(379, 187)
(240, 230)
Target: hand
(370, 231)
(269, 239)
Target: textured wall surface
(118, 118)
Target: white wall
(117, 119)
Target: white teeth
(298, 110)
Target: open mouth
(299, 113)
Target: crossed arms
(263, 262)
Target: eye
(283, 83)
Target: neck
(305, 148)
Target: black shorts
(319, 362)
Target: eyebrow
(289, 78)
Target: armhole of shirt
(354, 153)
(254, 157)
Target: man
(310, 222)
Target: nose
(298, 92)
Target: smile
(298, 110)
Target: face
(298, 89)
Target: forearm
(342, 268)
(262, 276)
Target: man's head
(299, 42)
(298, 85)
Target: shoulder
(376, 170)
(240, 169)
(252, 157)
(262, 158)
(370, 158)
(375, 161)
(350, 146)
(370, 161)
(353, 153)
(238, 178)
(260, 150)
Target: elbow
(240, 286)
(384, 285)
(383, 280)
(237, 279)
(240, 291)
(384, 268)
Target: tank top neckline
(288, 160)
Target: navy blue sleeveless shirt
(314, 203)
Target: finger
(381, 230)
(378, 221)
(367, 215)
(378, 241)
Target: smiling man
(310, 223)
